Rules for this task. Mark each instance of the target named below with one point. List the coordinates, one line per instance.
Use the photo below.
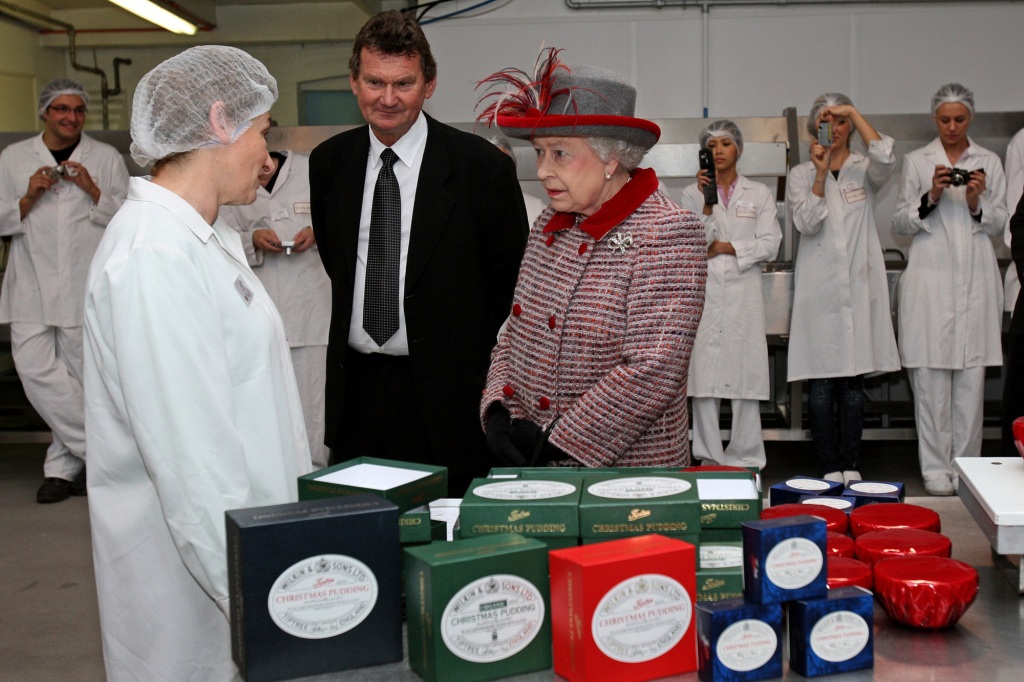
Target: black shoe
(53, 490)
(78, 488)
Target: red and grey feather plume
(522, 95)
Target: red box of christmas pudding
(624, 610)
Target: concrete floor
(49, 621)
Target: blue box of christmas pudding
(478, 609)
(315, 587)
(738, 641)
(784, 559)
(542, 508)
(792, 489)
(843, 503)
(834, 634)
(868, 492)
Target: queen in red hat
(592, 367)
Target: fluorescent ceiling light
(157, 15)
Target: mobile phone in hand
(707, 163)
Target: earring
(607, 175)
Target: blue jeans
(836, 442)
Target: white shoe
(940, 487)
(851, 476)
(834, 476)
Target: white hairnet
(723, 128)
(173, 104)
(829, 99)
(953, 93)
(58, 87)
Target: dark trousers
(836, 413)
(1013, 391)
(381, 417)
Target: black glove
(498, 433)
(532, 441)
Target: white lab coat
(730, 352)
(841, 324)
(52, 247)
(1014, 190)
(191, 410)
(951, 295)
(297, 283)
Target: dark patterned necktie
(380, 297)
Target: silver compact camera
(57, 172)
(959, 176)
(288, 246)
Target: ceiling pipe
(22, 15)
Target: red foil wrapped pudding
(838, 544)
(844, 572)
(886, 544)
(925, 592)
(835, 519)
(872, 517)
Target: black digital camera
(959, 176)
(707, 163)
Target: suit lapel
(433, 203)
(348, 195)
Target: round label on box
(524, 490)
(639, 487)
(793, 563)
(807, 484)
(839, 636)
(833, 502)
(492, 618)
(873, 488)
(323, 596)
(642, 618)
(720, 556)
(746, 645)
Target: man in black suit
(405, 376)
(1013, 378)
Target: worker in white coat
(1013, 374)
(841, 329)
(58, 190)
(191, 403)
(280, 246)
(730, 353)
(953, 201)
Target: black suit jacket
(469, 231)
(1017, 252)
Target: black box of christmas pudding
(315, 587)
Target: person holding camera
(841, 329)
(730, 355)
(279, 243)
(58, 191)
(953, 201)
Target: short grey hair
(627, 154)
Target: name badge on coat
(745, 209)
(855, 195)
(301, 207)
(243, 290)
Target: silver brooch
(620, 241)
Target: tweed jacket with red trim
(602, 324)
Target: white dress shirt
(409, 149)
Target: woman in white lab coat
(730, 353)
(191, 402)
(953, 201)
(841, 326)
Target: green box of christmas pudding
(720, 565)
(728, 498)
(478, 609)
(536, 508)
(415, 527)
(624, 506)
(405, 484)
